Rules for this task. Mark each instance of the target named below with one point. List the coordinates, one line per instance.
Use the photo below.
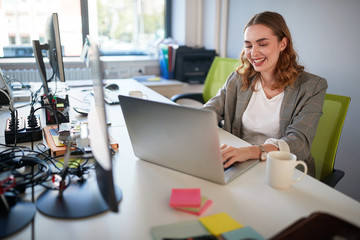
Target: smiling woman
(272, 32)
(269, 101)
(263, 52)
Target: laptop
(181, 138)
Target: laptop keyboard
(227, 168)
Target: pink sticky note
(185, 197)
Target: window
(22, 21)
(130, 26)
(122, 27)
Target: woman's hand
(230, 154)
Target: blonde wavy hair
(287, 67)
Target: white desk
(146, 190)
(165, 87)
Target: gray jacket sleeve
(300, 114)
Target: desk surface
(146, 190)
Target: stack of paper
(189, 200)
(220, 225)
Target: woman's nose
(254, 50)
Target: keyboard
(111, 97)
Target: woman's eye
(263, 44)
(247, 46)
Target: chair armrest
(194, 96)
(333, 178)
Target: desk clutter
(216, 226)
(210, 227)
(22, 129)
(189, 200)
(56, 139)
(22, 169)
(221, 226)
(318, 225)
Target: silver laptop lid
(181, 138)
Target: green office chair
(219, 70)
(327, 138)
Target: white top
(261, 119)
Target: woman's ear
(283, 43)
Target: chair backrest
(325, 143)
(219, 70)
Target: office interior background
(325, 35)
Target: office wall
(326, 35)
(178, 20)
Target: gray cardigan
(299, 116)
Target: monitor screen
(6, 94)
(54, 53)
(99, 138)
(40, 64)
(93, 196)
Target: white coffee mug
(137, 94)
(280, 169)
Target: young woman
(269, 101)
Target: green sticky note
(205, 204)
(178, 230)
(242, 233)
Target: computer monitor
(54, 52)
(94, 196)
(99, 137)
(6, 94)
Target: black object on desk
(24, 129)
(59, 105)
(193, 64)
(19, 216)
(319, 225)
(112, 86)
(14, 214)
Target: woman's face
(262, 48)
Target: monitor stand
(19, 216)
(79, 200)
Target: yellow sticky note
(219, 223)
(154, 79)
